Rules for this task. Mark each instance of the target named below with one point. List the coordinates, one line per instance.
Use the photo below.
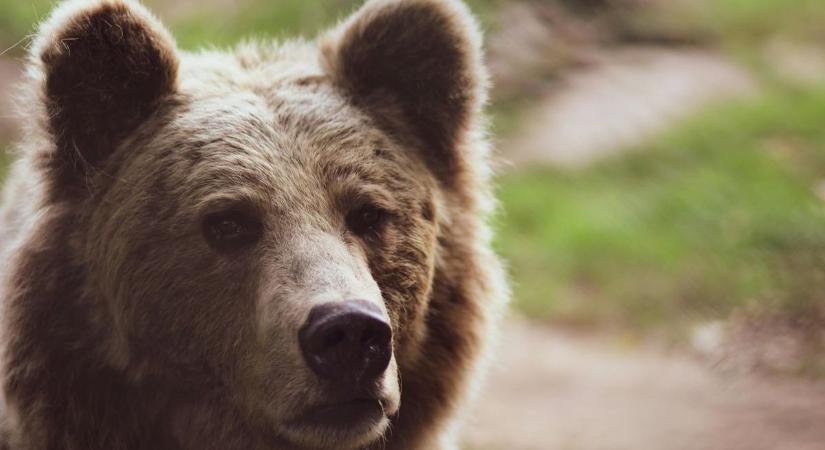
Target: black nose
(350, 341)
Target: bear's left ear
(101, 67)
(422, 56)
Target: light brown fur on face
(128, 326)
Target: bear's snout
(347, 342)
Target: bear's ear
(423, 57)
(101, 66)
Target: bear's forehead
(276, 94)
(275, 130)
(240, 126)
(294, 141)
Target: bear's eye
(366, 220)
(230, 230)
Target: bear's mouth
(352, 414)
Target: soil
(555, 390)
(620, 100)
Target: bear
(282, 245)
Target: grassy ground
(744, 21)
(717, 214)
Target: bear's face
(234, 214)
(261, 227)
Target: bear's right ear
(101, 68)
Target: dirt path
(619, 101)
(556, 391)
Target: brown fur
(123, 329)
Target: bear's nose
(348, 341)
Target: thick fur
(422, 56)
(123, 329)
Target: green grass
(739, 25)
(716, 215)
(758, 19)
(5, 160)
(17, 20)
(283, 18)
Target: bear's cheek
(185, 310)
(403, 266)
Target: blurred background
(662, 192)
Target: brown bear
(282, 246)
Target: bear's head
(262, 227)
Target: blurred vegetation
(283, 18)
(743, 22)
(17, 19)
(720, 213)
